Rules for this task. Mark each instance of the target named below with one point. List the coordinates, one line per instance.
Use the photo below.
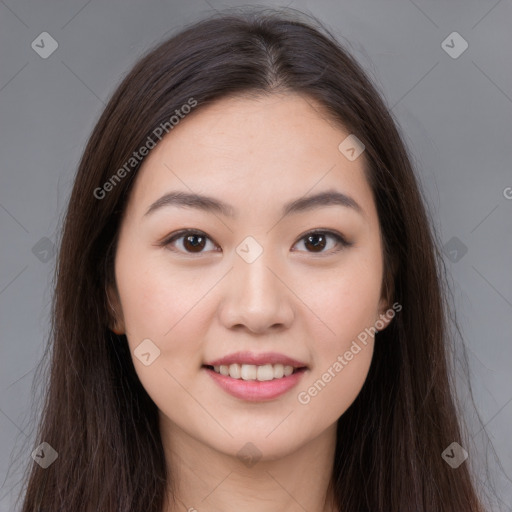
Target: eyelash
(343, 243)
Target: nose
(256, 297)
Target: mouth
(252, 372)
(255, 377)
(255, 383)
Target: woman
(249, 311)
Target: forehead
(252, 151)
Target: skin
(255, 154)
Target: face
(257, 281)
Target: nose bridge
(255, 296)
(257, 283)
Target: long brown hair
(97, 415)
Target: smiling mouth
(253, 372)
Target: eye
(317, 241)
(193, 241)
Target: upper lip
(256, 359)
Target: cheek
(163, 306)
(347, 302)
(332, 388)
(342, 354)
(344, 300)
(154, 296)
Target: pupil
(194, 245)
(316, 245)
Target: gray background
(455, 115)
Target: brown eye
(317, 241)
(193, 242)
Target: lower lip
(255, 390)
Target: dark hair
(98, 416)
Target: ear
(385, 316)
(386, 312)
(386, 309)
(115, 313)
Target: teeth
(279, 371)
(288, 370)
(234, 371)
(248, 372)
(253, 372)
(265, 372)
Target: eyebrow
(213, 205)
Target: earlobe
(116, 330)
(116, 321)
